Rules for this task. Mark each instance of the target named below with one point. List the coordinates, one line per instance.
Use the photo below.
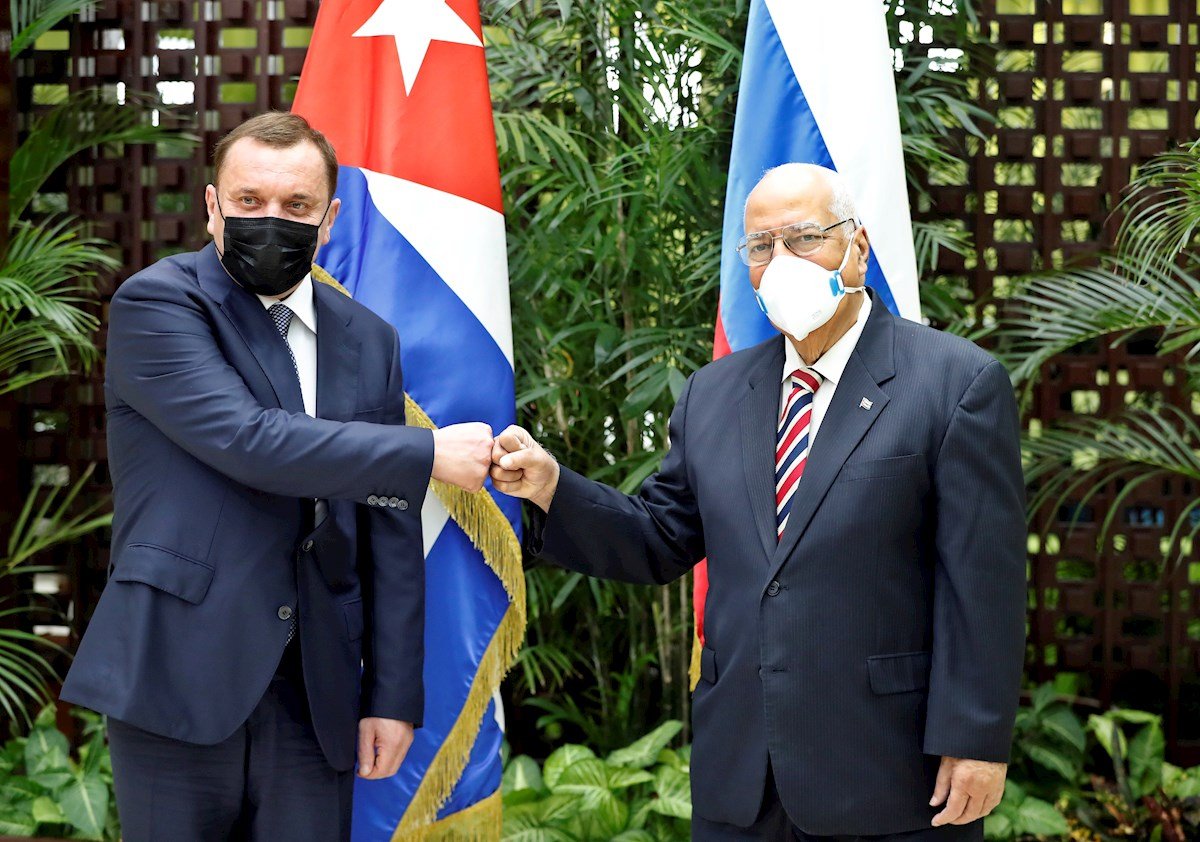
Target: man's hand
(462, 454)
(523, 469)
(974, 788)
(382, 744)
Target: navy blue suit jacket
(886, 628)
(214, 466)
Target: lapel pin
(865, 404)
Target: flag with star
(400, 89)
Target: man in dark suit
(856, 486)
(263, 625)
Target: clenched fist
(462, 454)
(523, 469)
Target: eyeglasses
(800, 238)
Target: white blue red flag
(817, 86)
(400, 89)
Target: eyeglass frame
(744, 255)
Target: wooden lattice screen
(1084, 91)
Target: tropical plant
(48, 269)
(641, 793)
(1146, 290)
(1140, 801)
(49, 518)
(1049, 746)
(44, 791)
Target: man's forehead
(773, 209)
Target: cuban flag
(400, 89)
(818, 87)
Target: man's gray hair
(841, 202)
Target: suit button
(402, 505)
(307, 546)
(372, 500)
(284, 612)
(773, 589)
(394, 502)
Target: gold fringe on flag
(481, 822)
(490, 533)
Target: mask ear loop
(845, 262)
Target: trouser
(774, 824)
(268, 781)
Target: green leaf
(47, 718)
(633, 836)
(560, 759)
(588, 779)
(1043, 697)
(16, 823)
(46, 811)
(998, 826)
(1104, 729)
(620, 777)
(1065, 725)
(1041, 819)
(84, 802)
(1146, 759)
(17, 790)
(522, 773)
(1066, 767)
(673, 793)
(46, 750)
(645, 751)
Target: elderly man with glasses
(855, 484)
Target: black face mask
(267, 255)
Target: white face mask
(800, 296)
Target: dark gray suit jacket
(886, 628)
(213, 464)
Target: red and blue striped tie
(791, 448)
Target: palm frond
(33, 18)
(84, 120)
(1054, 312)
(1067, 467)
(1162, 209)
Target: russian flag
(400, 89)
(818, 87)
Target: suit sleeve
(979, 581)
(164, 361)
(394, 646)
(652, 537)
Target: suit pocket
(708, 665)
(354, 618)
(879, 468)
(164, 570)
(371, 415)
(901, 673)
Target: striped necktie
(792, 442)
(281, 317)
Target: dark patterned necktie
(281, 316)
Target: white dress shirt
(302, 337)
(830, 366)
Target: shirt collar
(300, 302)
(833, 362)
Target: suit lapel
(844, 425)
(759, 413)
(250, 319)
(337, 358)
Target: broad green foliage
(641, 793)
(1102, 780)
(44, 791)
